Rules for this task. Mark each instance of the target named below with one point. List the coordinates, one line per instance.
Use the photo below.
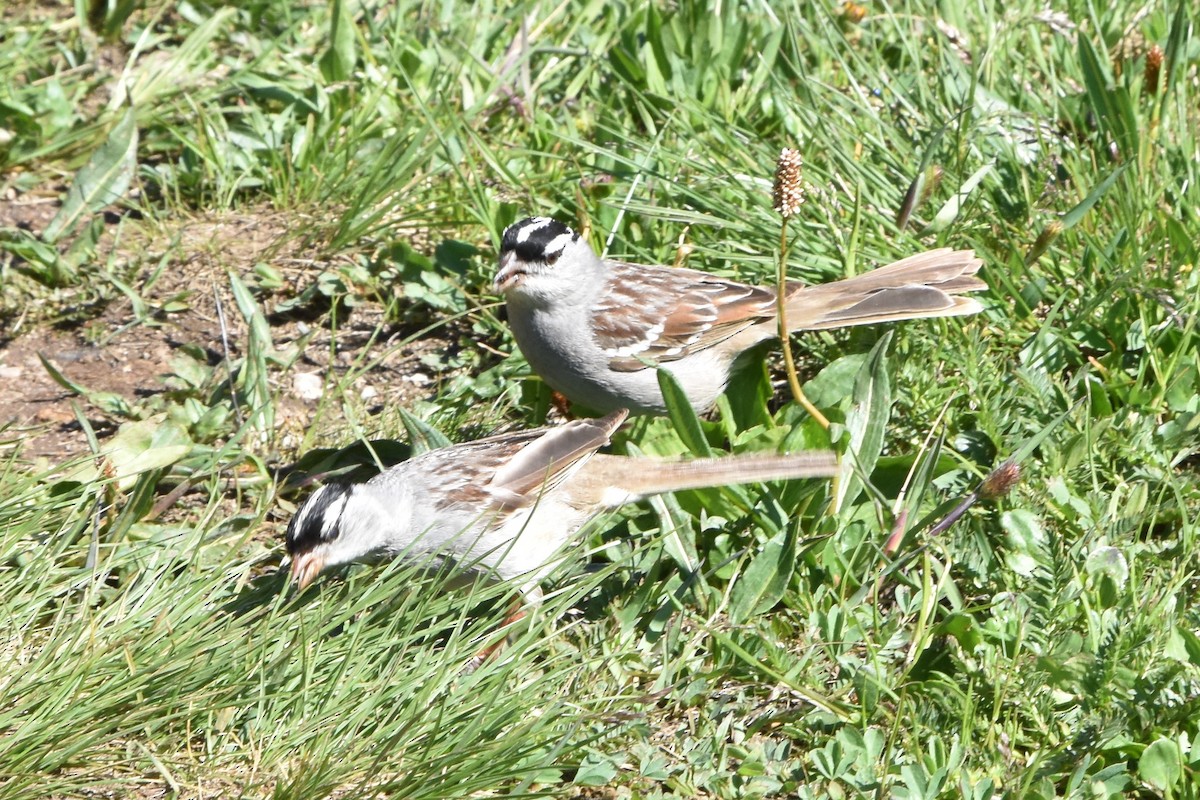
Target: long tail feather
(927, 284)
(619, 480)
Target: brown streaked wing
(509, 469)
(463, 472)
(541, 463)
(660, 314)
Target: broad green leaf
(1025, 538)
(596, 770)
(1183, 645)
(424, 437)
(678, 530)
(145, 445)
(337, 62)
(682, 415)
(102, 181)
(1108, 562)
(763, 583)
(963, 628)
(748, 395)
(866, 422)
(1161, 764)
(835, 382)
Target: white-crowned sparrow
(504, 505)
(594, 329)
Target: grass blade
(1080, 209)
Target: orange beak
(305, 569)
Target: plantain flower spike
(788, 195)
(1154, 62)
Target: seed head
(789, 191)
(1000, 481)
(1046, 238)
(933, 179)
(853, 12)
(1154, 60)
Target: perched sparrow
(504, 505)
(595, 329)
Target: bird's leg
(516, 613)
(561, 404)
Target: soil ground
(108, 349)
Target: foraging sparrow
(595, 329)
(507, 504)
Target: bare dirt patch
(116, 352)
(31, 211)
(33, 11)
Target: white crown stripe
(535, 224)
(330, 520)
(559, 243)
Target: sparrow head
(315, 529)
(532, 247)
(341, 523)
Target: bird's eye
(551, 259)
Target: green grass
(729, 643)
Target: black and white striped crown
(319, 520)
(537, 239)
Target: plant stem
(784, 336)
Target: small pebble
(308, 386)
